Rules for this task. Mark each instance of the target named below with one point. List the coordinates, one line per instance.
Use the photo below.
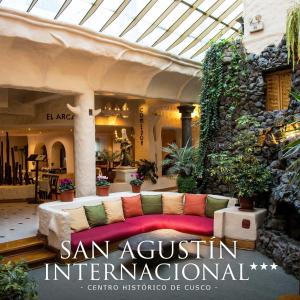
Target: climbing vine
(224, 69)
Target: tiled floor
(17, 221)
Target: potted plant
(102, 185)
(109, 157)
(15, 283)
(239, 168)
(66, 189)
(148, 170)
(181, 162)
(136, 182)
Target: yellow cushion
(114, 211)
(172, 204)
(78, 220)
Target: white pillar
(158, 146)
(84, 144)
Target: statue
(125, 147)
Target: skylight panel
(75, 11)
(234, 14)
(188, 22)
(176, 50)
(222, 8)
(21, 5)
(174, 15)
(111, 5)
(181, 29)
(98, 18)
(202, 27)
(47, 9)
(159, 7)
(207, 4)
(153, 36)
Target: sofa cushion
(78, 219)
(194, 204)
(95, 215)
(132, 206)
(136, 225)
(213, 204)
(114, 211)
(151, 204)
(172, 204)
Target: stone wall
(283, 201)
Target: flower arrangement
(137, 180)
(102, 181)
(66, 184)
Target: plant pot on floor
(67, 196)
(136, 188)
(246, 203)
(102, 190)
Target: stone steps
(31, 250)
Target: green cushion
(151, 204)
(95, 215)
(213, 204)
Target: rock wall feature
(280, 236)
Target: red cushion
(132, 226)
(194, 204)
(132, 206)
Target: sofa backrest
(94, 200)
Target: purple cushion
(132, 226)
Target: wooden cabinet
(278, 87)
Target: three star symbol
(263, 266)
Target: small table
(161, 238)
(240, 226)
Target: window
(278, 90)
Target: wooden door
(278, 87)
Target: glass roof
(181, 27)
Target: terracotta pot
(67, 196)
(102, 190)
(246, 203)
(136, 188)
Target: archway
(58, 156)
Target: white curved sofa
(54, 222)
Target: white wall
(273, 14)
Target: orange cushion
(132, 206)
(194, 204)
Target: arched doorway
(58, 156)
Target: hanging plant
(292, 35)
(220, 80)
(212, 91)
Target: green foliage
(186, 184)
(212, 91)
(218, 82)
(109, 157)
(15, 283)
(292, 149)
(181, 160)
(148, 170)
(238, 167)
(293, 35)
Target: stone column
(186, 124)
(84, 143)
